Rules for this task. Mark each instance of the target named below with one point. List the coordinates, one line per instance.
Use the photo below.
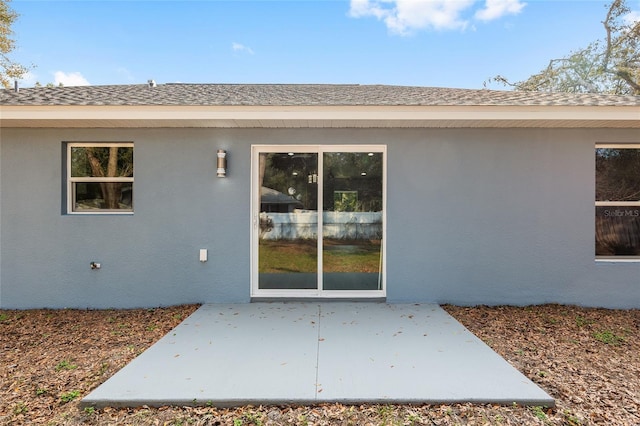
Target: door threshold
(318, 299)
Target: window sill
(99, 213)
(621, 260)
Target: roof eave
(241, 116)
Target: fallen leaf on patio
(594, 383)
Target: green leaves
(65, 365)
(69, 396)
(9, 70)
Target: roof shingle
(179, 94)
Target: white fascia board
(239, 116)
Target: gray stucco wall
(474, 216)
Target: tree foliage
(608, 65)
(9, 70)
(104, 162)
(617, 174)
(353, 177)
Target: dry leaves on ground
(585, 358)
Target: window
(100, 177)
(618, 201)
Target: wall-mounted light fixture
(222, 163)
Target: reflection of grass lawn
(300, 256)
(287, 256)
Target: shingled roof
(178, 94)
(307, 106)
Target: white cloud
(405, 16)
(28, 80)
(364, 8)
(70, 79)
(632, 17)
(494, 9)
(237, 47)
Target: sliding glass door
(352, 221)
(288, 221)
(318, 221)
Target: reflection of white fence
(304, 225)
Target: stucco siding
(474, 216)
(489, 207)
(149, 258)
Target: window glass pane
(617, 231)
(288, 242)
(353, 181)
(103, 196)
(352, 221)
(617, 174)
(102, 161)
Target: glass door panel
(288, 221)
(352, 220)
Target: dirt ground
(587, 359)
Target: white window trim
(71, 180)
(618, 203)
(318, 293)
(620, 259)
(617, 259)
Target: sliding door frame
(257, 293)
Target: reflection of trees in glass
(104, 162)
(617, 174)
(358, 172)
(345, 201)
(343, 171)
(617, 181)
(617, 231)
(353, 164)
(282, 172)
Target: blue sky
(445, 43)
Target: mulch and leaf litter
(587, 359)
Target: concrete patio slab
(303, 353)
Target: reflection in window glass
(352, 221)
(617, 231)
(353, 181)
(288, 242)
(91, 196)
(102, 161)
(100, 177)
(617, 201)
